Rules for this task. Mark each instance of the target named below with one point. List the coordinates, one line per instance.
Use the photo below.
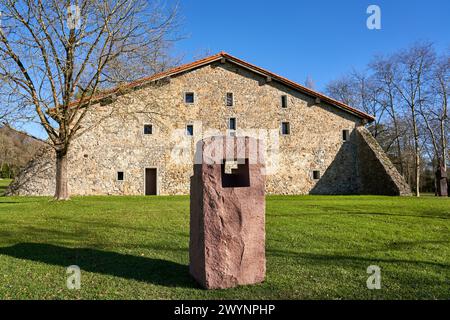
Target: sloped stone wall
(377, 174)
(38, 177)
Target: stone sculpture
(227, 222)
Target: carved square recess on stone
(239, 176)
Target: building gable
(223, 58)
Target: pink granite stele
(227, 223)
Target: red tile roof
(232, 59)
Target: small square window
(120, 175)
(316, 174)
(148, 129)
(285, 128)
(284, 101)
(189, 130)
(232, 124)
(189, 97)
(230, 99)
(345, 135)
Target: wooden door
(150, 181)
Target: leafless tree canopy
(53, 51)
(408, 93)
(309, 83)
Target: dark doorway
(150, 181)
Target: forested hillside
(16, 149)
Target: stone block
(227, 222)
(441, 182)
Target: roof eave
(242, 63)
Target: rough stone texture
(227, 244)
(38, 177)
(377, 174)
(116, 142)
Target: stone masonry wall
(376, 172)
(38, 177)
(117, 143)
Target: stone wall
(116, 141)
(377, 174)
(38, 177)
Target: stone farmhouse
(143, 135)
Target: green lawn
(4, 183)
(137, 248)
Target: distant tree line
(408, 92)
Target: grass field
(318, 247)
(4, 183)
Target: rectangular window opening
(284, 102)
(345, 135)
(285, 128)
(230, 100)
(189, 97)
(120, 175)
(232, 124)
(148, 129)
(190, 130)
(316, 174)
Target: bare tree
(384, 74)
(435, 115)
(441, 90)
(343, 89)
(11, 110)
(368, 98)
(408, 93)
(309, 82)
(54, 51)
(413, 65)
(358, 89)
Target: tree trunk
(61, 190)
(417, 171)
(399, 149)
(444, 158)
(417, 155)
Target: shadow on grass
(316, 259)
(329, 211)
(155, 271)
(109, 225)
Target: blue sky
(319, 38)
